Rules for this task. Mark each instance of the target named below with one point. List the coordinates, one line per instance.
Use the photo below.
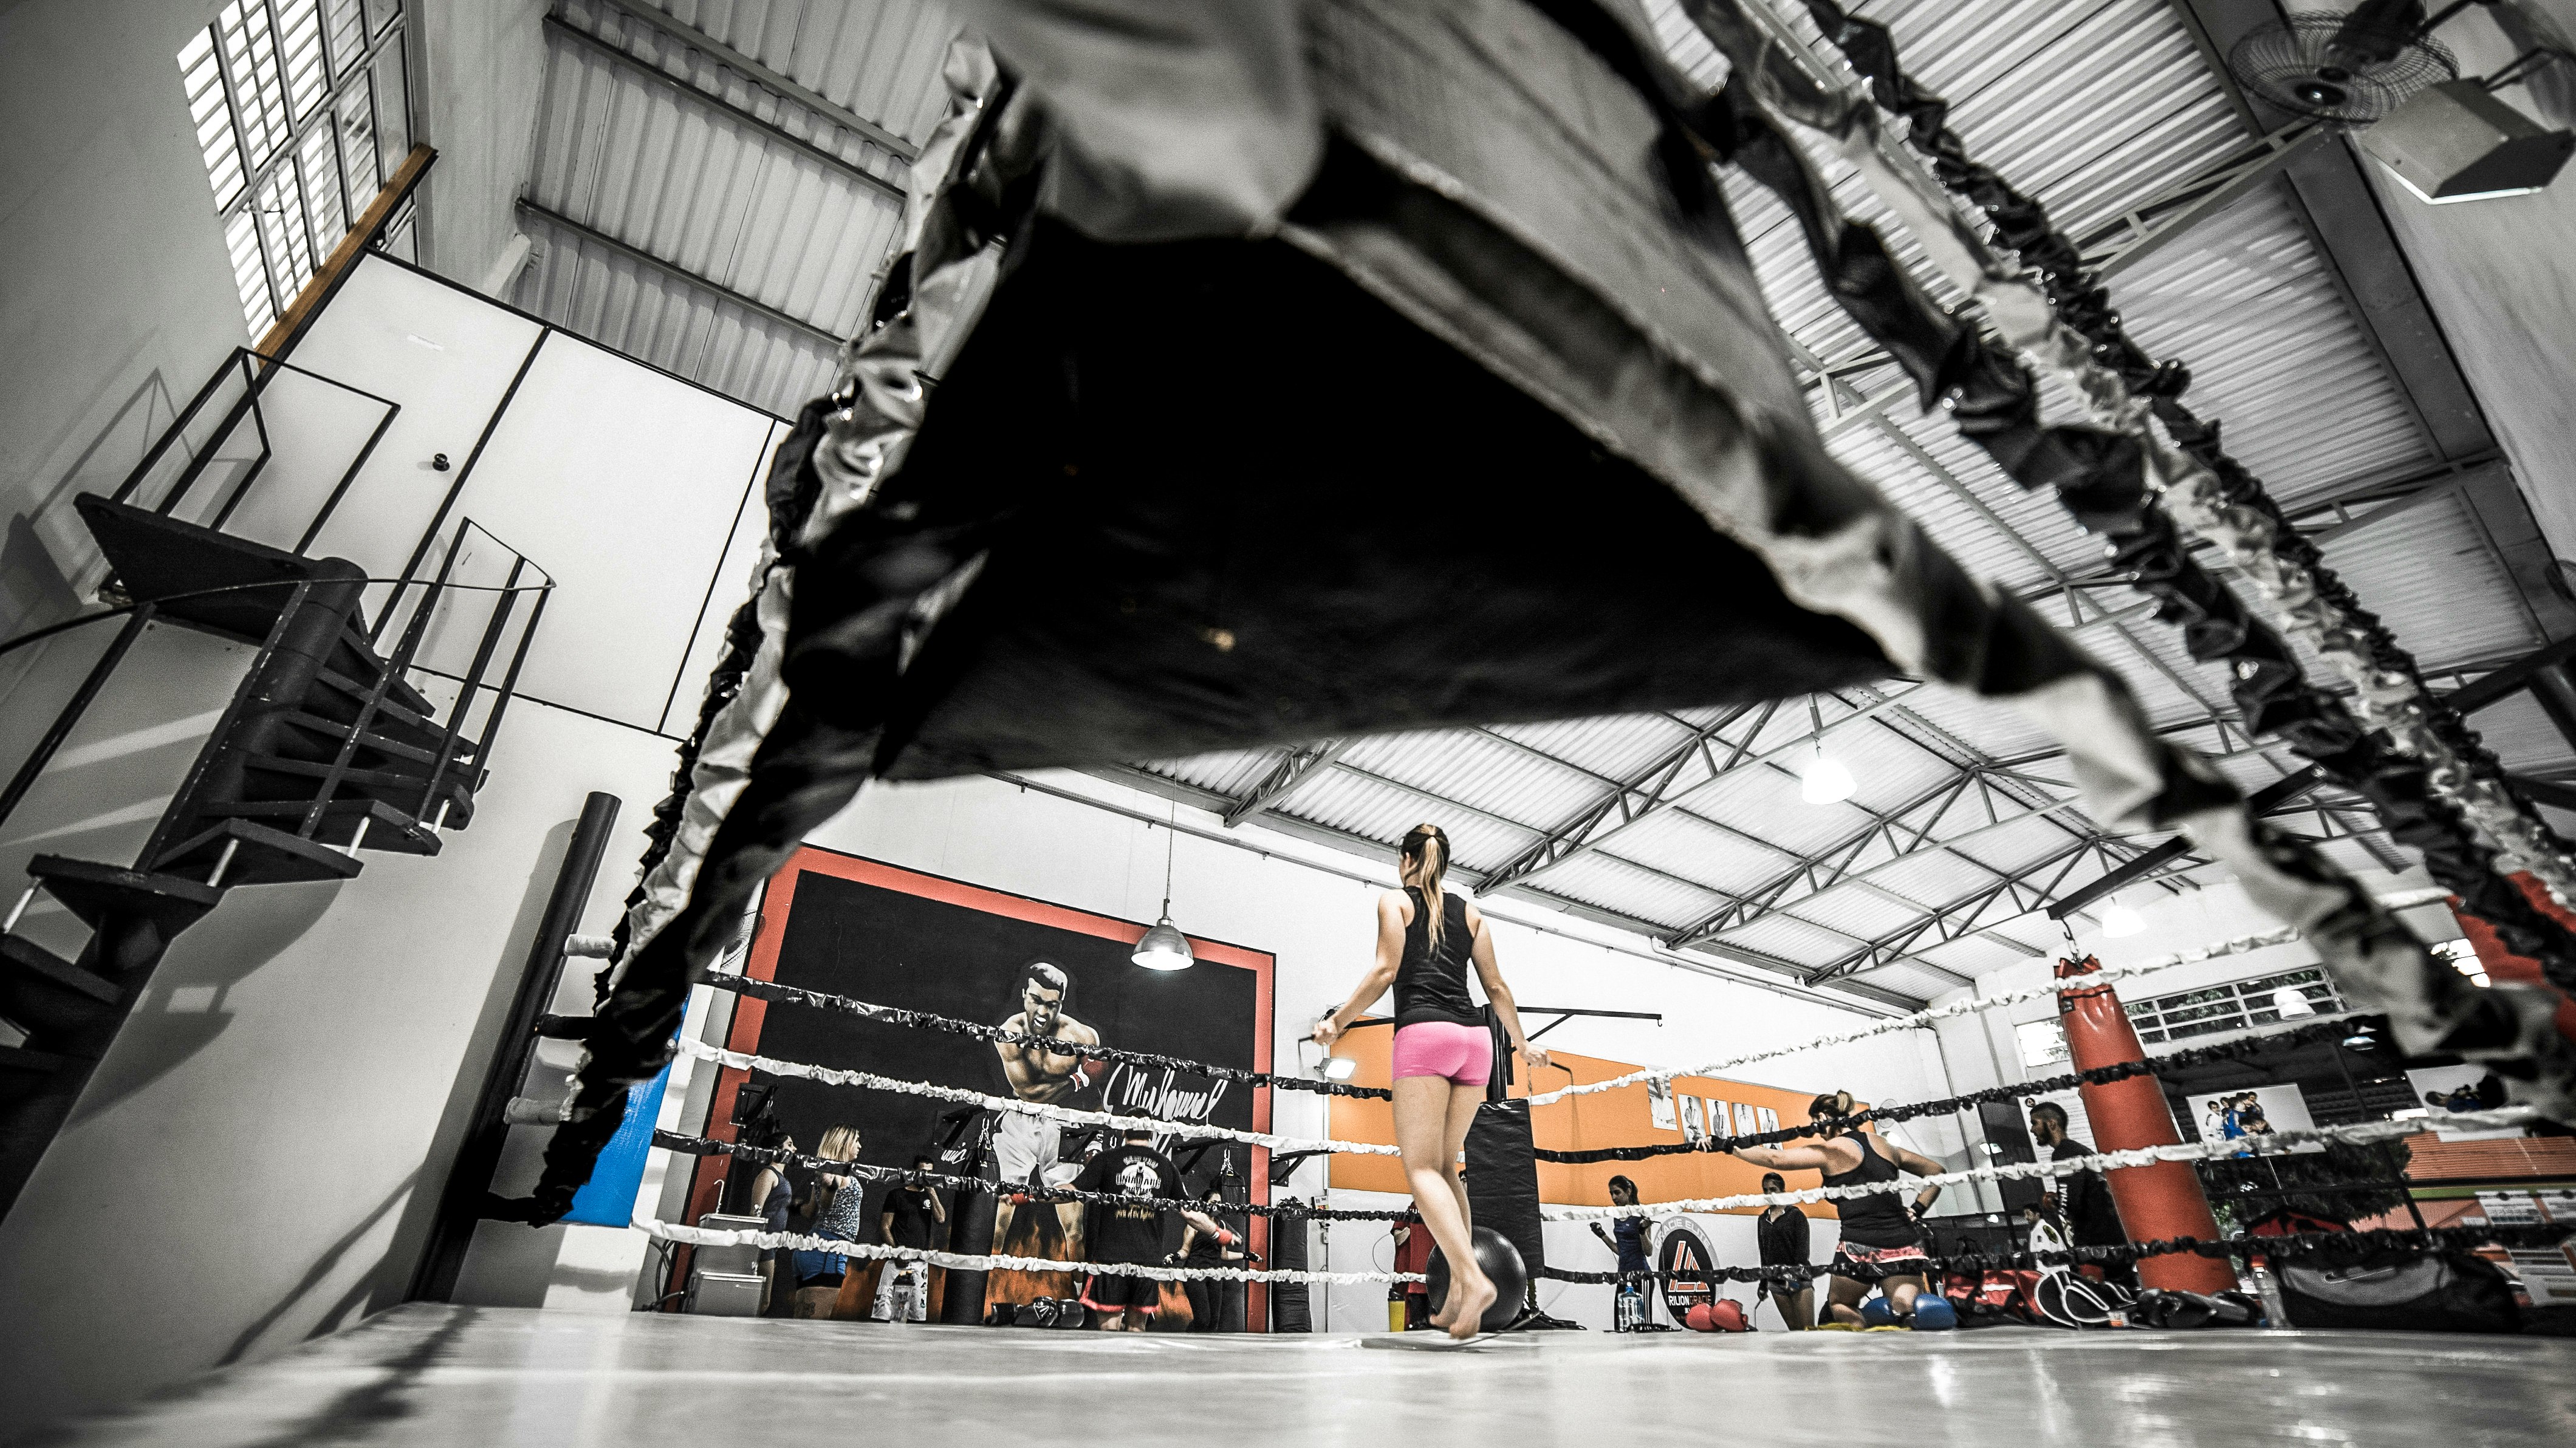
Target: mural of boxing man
(1027, 1149)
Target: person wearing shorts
(1130, 1233)
(1443, 1053)
(1880, 1235)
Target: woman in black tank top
(1426, 940)
(1877, 1229)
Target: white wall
(479, 70)
(119, 299)
(259, 1156)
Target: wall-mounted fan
(2349, 68)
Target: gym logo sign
(1686, 1249)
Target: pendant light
(1165, 947)
(2119, 920)
(1825, 779)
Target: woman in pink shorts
(1443, 1051)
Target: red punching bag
(2161, 1199)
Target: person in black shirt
(2082, 1201)
(1627, 1238)
(1880, 1234)
(1782, 1233)
(1131, 1235)
(906, 1219)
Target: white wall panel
(624, 485)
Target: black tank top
(1432, 985)
(1877, 1220)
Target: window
(299, 109)
(2043, 1043)
(2231, 1007)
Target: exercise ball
(1502, 1262)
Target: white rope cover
(2268, 1144)
(2238, 945)
(967, 1262)
(833, 1075)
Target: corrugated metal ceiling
(711, 186)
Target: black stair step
(93, 892)
(155, 557)
(18, 1059)
(388, 828)
(409, 789)
(334, 732)
(356, 659)
(48, 995)
(262, 855)
(406, 706)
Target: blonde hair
(1428, 848)
(839, 1143)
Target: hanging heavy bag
(2401, 1291)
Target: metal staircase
(326, 749)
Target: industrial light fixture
(1164, 947)
(2454, 142)
(1340, 1068)
(2119, 920)
(1824, 780)
(1331, 1068)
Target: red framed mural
(880, 933)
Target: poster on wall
(855, 928)
(1659, 1102)
(1693, 1129)
(2442, 1090)
(1768, 1119)
(1748, 1119)
(2251, 1111)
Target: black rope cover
(2096, 1075)
(825, 1166)
(926, 1020)
(2101, 478)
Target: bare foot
(1468, 1299)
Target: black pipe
(469, 1177)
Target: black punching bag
(1502, 1178)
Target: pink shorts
(1463, 1054)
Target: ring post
(2159, 1200)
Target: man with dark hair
(2082, 1201)
(906, 1219)
(1027, 1148)
(1782, 1233)
(1124, 1235)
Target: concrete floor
(498, 1378)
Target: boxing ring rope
(1055, 1045)
(2237, 945)
(2329, 1028)
(2331, 1246)
(2272, 1143)
(974, 1262)
(778, 1156)
(836, 1076)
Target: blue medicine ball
(1934, 1314)
(1877, 1312)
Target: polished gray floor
(498, 1378)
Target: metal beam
(1642, 793)
(2150, 224)
(1295, 768)
(678, 273)
(2259, 802)
(762, 76)
(557, 26)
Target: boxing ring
(504, 1378)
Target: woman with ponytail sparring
(1443, 1053)
(1878, 1231)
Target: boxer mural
(1060, 977)
(1028, 1150)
